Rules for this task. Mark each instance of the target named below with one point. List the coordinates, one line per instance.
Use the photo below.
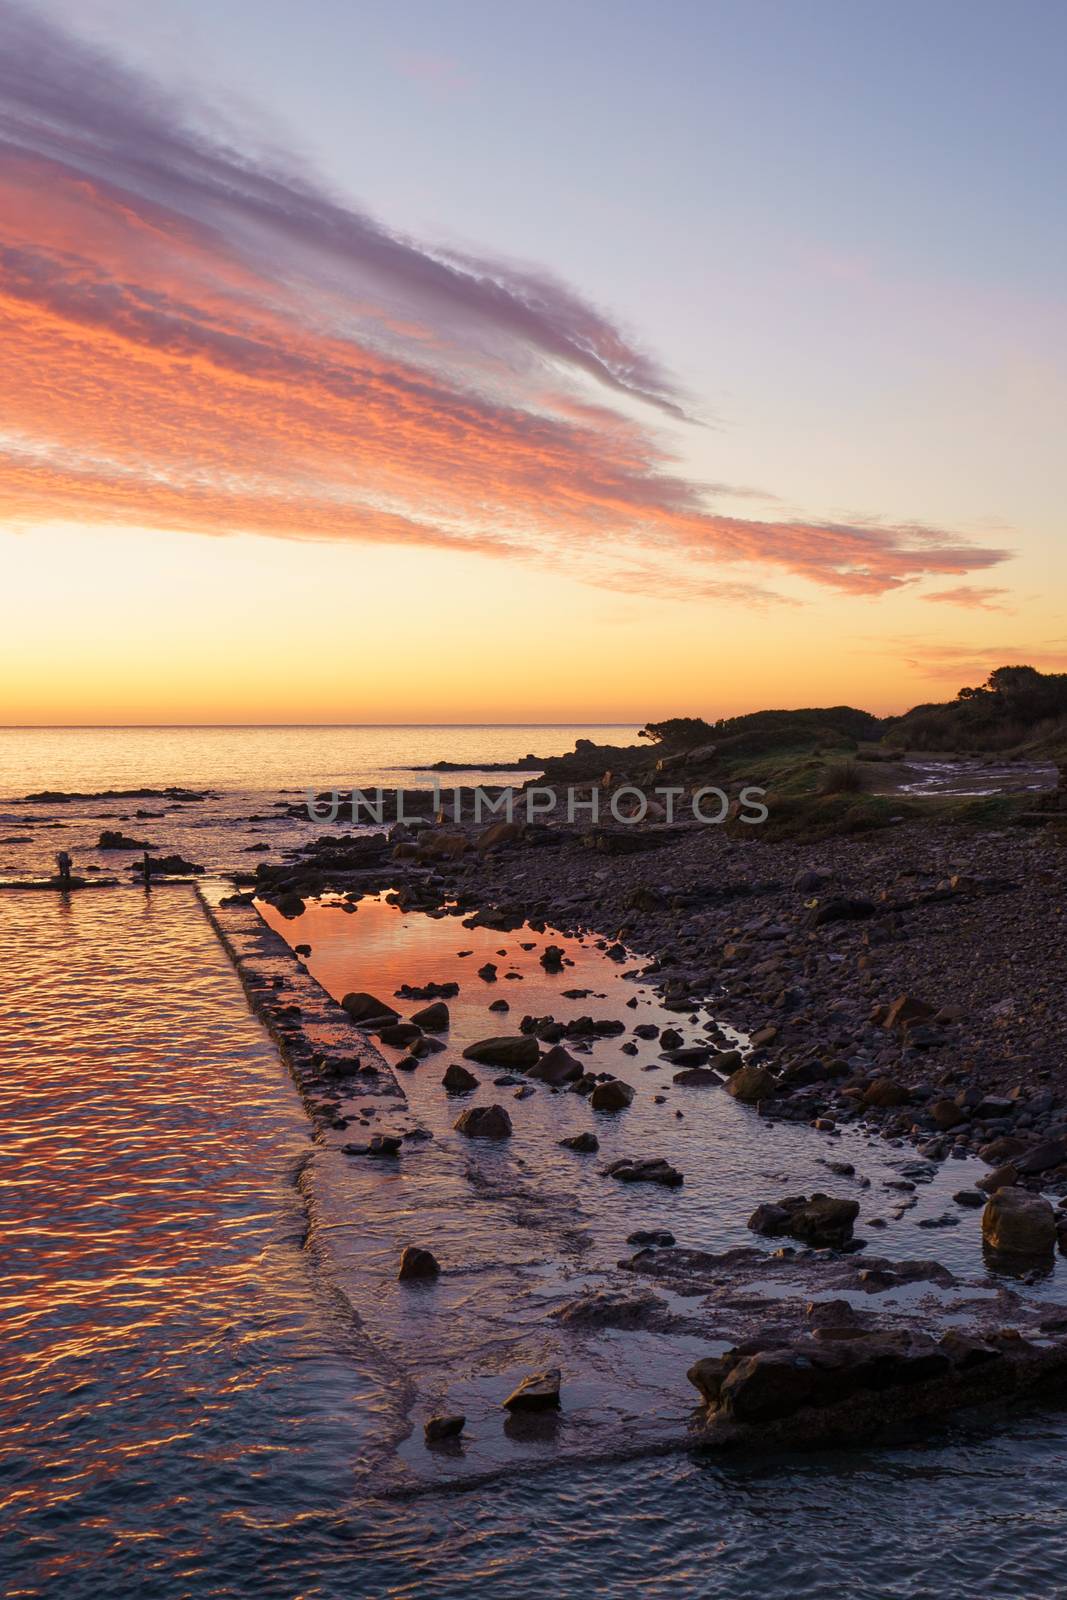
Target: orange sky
(262, 459)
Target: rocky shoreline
(914, 976)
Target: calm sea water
(252, 760)
(209, 1385)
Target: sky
(456, 361)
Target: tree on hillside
(679, 733)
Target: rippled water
(210, 1386)
(249, 768)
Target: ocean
(211, 1383)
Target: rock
(689, 1055)
(785, 1392)
(602, 1309)
(1018, 1223)
(841, 909)
(906, 1009)
(647, 1030)
(652, 1170)
(552, 957)
(557, 1066)
(457, 1080)
(434, 1018)
(822, 1222)
(614, 1095)
(417, 1263)
(651, 1238)
(584, 1143)
(811, 881)
(444, 1427)
(697, 1077)
(488, 972)
(751, 1084)
(113, 839)
(514, 1052)
(399, 1034)
(1050, 1153)
(1006, 1148)
(499, 1005)
(884, 1093)
(708, 1375)
(1000, 1178)
(972, 1198)
(946, 1114)
(363, 1008)
(484, 1122)
(538, 1392)
(497, 834)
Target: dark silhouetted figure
(146, 868)
(63, 862)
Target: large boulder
(516, 1052)
(484, 1122)
(1018, 1223)
(751, 1084)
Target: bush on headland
(1016, 709)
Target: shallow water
(210, 1385)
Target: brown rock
(884, 1093)
(484, 1122)
(513, 1051)
(434, 1018)
(445, 1427)
(614, 1095)
(751, 1084)
(457, 1080)
(1018, 1223)
(417, 1263)
(367, 1008)
(538, 1392)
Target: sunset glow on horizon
(271, 454)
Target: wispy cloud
(194, 338)
(959, 662)
(971, 596)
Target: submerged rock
(654, 1169)
(444, 1427)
